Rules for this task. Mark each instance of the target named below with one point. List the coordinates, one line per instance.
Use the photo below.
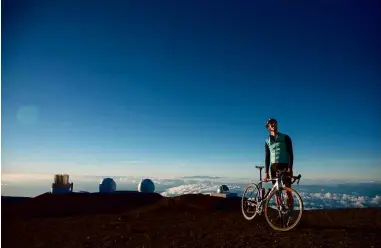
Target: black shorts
(279, 166)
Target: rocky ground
(131, 219)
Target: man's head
(272, 125)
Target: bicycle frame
(276, 187)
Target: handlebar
(297, 178)
(284, 175)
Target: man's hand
(266, 178)
(289, 172)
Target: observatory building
(224, 192)
(61, 184)
(146, 186)
(107, 185)
(223, 189)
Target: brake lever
(299, 176)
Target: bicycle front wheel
(283, 209)
(250, 201)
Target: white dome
(146, 185)
(223, 189)
(107, 185)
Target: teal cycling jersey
(279, 151)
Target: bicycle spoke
(249, 204)
(287, 207)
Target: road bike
(261, 201)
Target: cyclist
(279, 154)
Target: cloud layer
(314, 196)
(312, 200)
(336, 200)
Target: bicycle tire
(251, 185)
(301, 204)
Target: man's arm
(290, 152)
(267, 157)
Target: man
(279, 154)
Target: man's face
(272, 127)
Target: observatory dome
(107, 185)
(223, 189)
(146, 185)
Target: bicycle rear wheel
(282, 214)
(249, 201)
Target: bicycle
(261, 201)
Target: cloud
(376, 200)
(336, 200)
(190, 189)
(200, 185)
(26, 177)
(313, 197)
(312, 200)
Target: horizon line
(46, 175)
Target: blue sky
(170, 88)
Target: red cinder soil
(132, 219)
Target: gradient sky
(184, 87)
